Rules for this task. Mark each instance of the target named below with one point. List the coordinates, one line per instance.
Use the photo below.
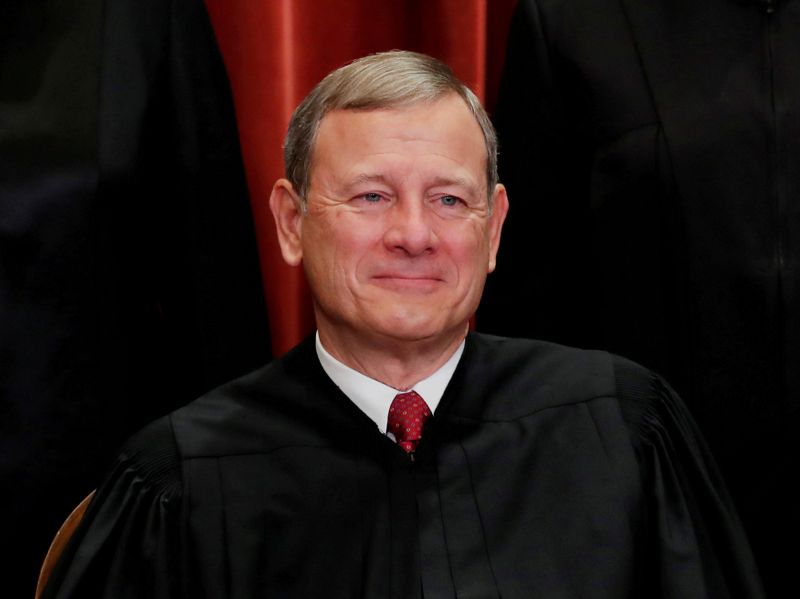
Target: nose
(410, 228)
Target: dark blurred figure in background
(652, 154)
(129, 279)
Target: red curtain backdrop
(276, 50)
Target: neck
(397, 363)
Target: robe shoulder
(291, 403)
(194, 492)
(153, 453)
(138, 507)
(691, 539)
(522, 376)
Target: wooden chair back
(60, 541)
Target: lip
(406, 282)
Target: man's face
(398, 237)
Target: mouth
(422, 283)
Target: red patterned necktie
(407, 416)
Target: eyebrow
(368, 178)
(454, 181)
(437, 181)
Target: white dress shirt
(373, 397)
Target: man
(543, 472)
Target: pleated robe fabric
(651, 151)
(129, 275)
(545, 472)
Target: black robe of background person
(129, 281)
(545, 472)
(652, 155)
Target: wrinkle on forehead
(418, 135)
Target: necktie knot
(407, 415)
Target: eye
(449, 200)
(371, 201)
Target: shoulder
(638, 388)
(151, 457)
(651, 408)
(213, 425)
(548, 375)
(505, 378)
(232, 418)
(572, 370)
(278, 405)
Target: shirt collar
(373, 397)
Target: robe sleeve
(129, 544)
(695, 544)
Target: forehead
(428, 136)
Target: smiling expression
(397, 236)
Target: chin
(414, 326)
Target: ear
(495, 224)
(288, 213)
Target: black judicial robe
(545, 472)
(129, 276)
(651, 150)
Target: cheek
(341, 251)
(355, 245)
(471, 253)
(318, 255)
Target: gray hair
(385, 80)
